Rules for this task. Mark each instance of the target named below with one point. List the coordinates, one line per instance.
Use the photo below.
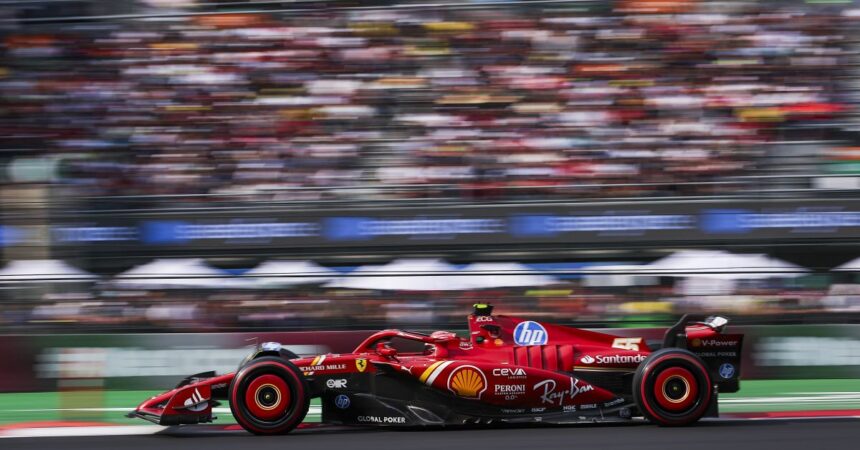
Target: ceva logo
(530, 333)
(516, 372)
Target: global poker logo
(530, 333)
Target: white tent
(850, 266)
(502, 274)
(723, 265)
(177, 274)
(287, 273)
(713, 272)
(617, 275)
(43, 270)
(405, 275)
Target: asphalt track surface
(723, 435)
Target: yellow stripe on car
(429, 370)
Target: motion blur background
(250, 166)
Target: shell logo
(467, 382)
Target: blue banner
(479, 225)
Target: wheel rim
(676, 389)
(267, 397)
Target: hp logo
(341, 401)
(727, 370)
(530, 333)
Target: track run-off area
(734, 434)
(764, 414)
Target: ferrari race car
(509, 371)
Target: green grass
(793, 395)
(50, 406)
(770, 388)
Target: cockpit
(393, 343)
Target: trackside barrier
(156, 361)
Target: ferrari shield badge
(361, 364)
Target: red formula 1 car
(511, 370)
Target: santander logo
(612, 359)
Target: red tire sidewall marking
(644, 394)
(692, 386)
(282, 390)
(240, 416)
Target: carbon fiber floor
(718, 435)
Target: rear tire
(672, 387)
(269, 395)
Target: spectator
(494, 102)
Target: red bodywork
(507, 366)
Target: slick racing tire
(269, 395)
(672, 387)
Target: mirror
(382, 349)
(716, 323)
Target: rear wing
(704, 336)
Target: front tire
(269, 395)
(672, 387)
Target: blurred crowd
(319, 308)
(495, 102)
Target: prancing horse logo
(361, 364)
